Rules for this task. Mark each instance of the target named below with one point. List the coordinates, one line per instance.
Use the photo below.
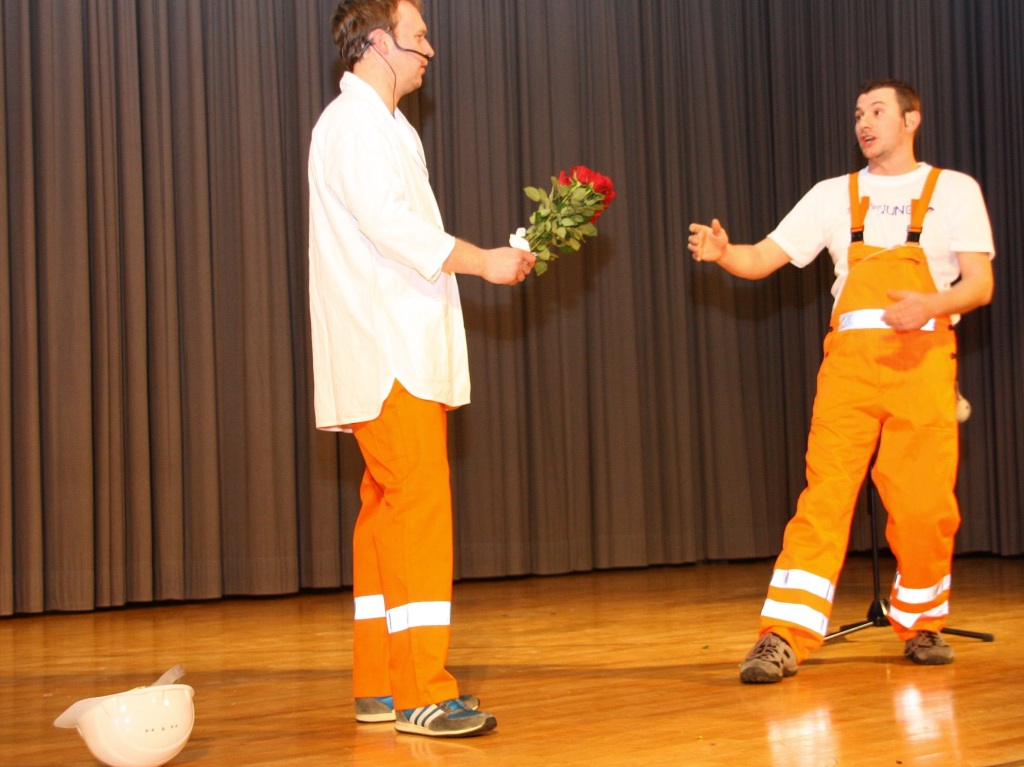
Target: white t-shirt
(380, 307)
(956, 222)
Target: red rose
(602, 184)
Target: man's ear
(378, 38)
(912, 120)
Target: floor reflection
(926, 720)
(805, 740)
(921, 726)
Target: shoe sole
(384, 716)
(414, 729)
(931, 661)
(755, 675)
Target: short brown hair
(906, 96)
(354, 20)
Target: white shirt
(956, 222)
(380, 307)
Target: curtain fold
(66, 312)
(6, 458)
(630, 408)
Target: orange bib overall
(877, 387)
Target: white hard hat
(144, 727)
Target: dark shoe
(447, 719)
(383, 709)
(928, 649)
(770, 660)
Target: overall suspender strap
(919, 207)
(858, 210)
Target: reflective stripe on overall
(876, 388)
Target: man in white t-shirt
(912, 247)
(389, 360)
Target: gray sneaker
(383, 709)
(928, 649)
(769, 660)
(375, 709)
(447, 719)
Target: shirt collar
(352, 83)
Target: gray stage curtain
(630, 407)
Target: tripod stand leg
(878, 616)
(849, 628)
(984, 637)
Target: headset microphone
(409, 50)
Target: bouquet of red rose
(565, 216)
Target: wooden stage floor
(611, 668)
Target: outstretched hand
(708, 243)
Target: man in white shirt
(912, 248)
(389, 360)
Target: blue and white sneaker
(447, 719)
(383, 709)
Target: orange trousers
(402, 555)
(896, 391)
